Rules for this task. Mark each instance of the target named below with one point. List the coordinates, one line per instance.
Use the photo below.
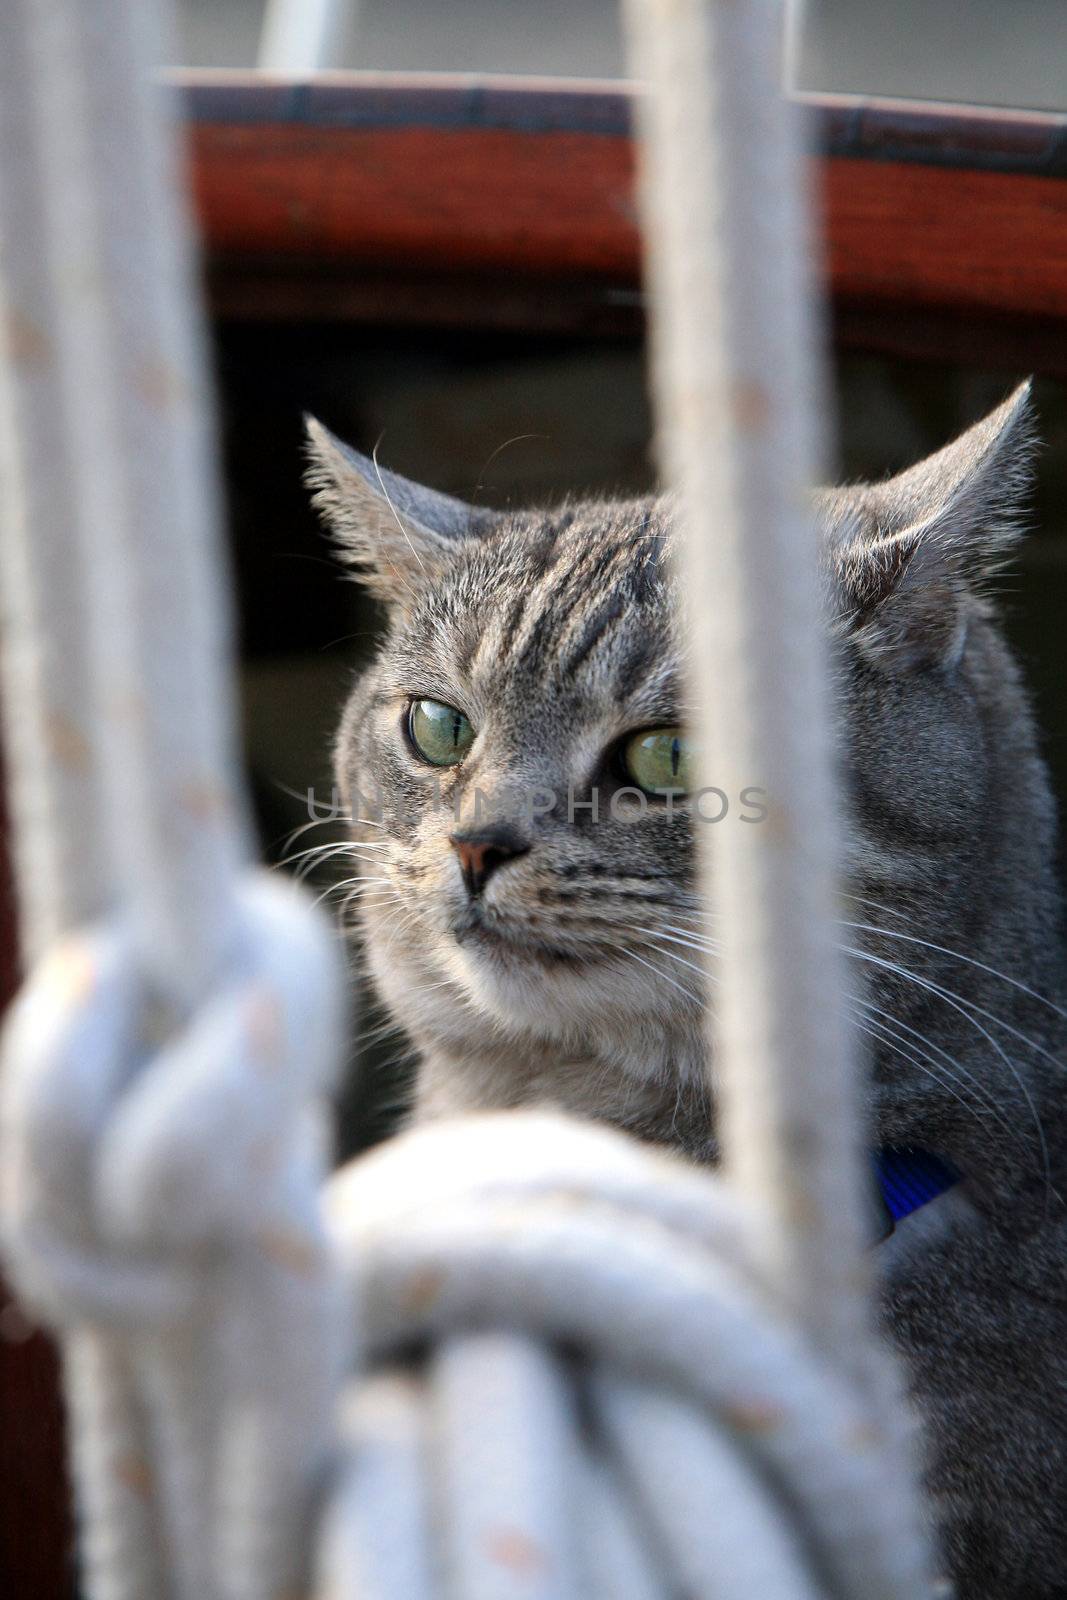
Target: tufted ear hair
(399, 535)
(909, 556)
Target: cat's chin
(552, 992)
(500, 948)
(462, 975)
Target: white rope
(578, 1384)
(170, 1202)
(160, 1155)
(728, 257)
(739, 400)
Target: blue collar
(907, 1180)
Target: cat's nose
(482, 850)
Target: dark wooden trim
(288, 291)
(1009, 344)
(932, 134)
(36, 1541)
(385, 100)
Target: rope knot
(161, 1199)
(138, 1145)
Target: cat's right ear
(913, 555)
(399, 535)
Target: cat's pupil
(439, 733)
(659, 761)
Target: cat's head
(532, 668)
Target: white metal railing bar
(302, 36)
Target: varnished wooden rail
(510, 201)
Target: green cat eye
(660, 760)
(441, 734)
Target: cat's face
(527, 882)
(536, 879)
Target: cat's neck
(663, 1100)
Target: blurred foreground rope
(164, 1068)
(577, 1384)
(740, 427)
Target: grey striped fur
(575, 978)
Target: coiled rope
(578, 1382)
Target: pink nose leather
(482, 850)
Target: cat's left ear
(400, 535)
(912, 554)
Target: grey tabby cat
(554, 956)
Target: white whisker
(959, 1005)
(955, 955)
(875, 1031)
